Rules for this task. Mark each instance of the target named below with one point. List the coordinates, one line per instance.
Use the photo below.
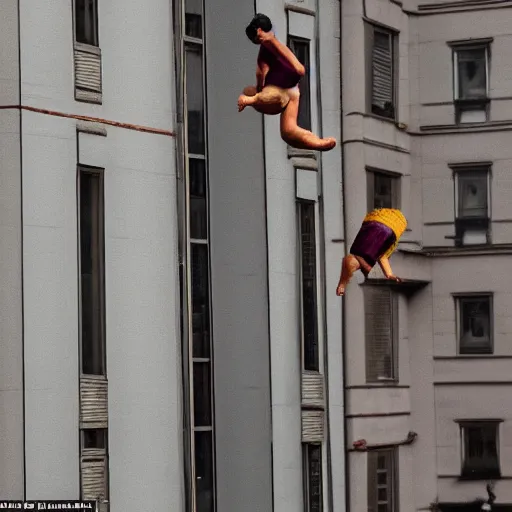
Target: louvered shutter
(382, 70)
(312, 426)
(380, 312)
(312, 389)
(88, 77)
(372, 481)
(94, 477)
(93, 402)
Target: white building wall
(143, 363)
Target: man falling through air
(278, 74)
(375, 242)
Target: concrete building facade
(168, 341)
(425, 124)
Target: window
(94, 481)
(307, 233)
(86, 22)
(383, 190)
(312, 471)
(301, 49)
(92, 264)
(199, 360)
(475, 324)
(472, 196)
(382, 71)
(471, 82)
(381, 332)
(382, 481)
(480, 459)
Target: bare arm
(275, 46)
(386, 268)
(261, 72)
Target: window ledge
(485, 475)
(384, 119)
(407, 286)
(88, 48)
(301, 153)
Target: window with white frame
(472, 203)
(383, 480)
(475, 326)
(381, 333)
(92, 271)
(198, 358)
(302, 50)
(309, 285)
(87, 53)
(471, 81)
(383, 189)
(382, 70)
(480, 449)
(302, 41)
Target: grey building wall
(11, 321)
(238, 265)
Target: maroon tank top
(280, 73)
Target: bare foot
(340, 290)
(244, 101)
(327, 144)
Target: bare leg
(349, 265)
(298, 137)
(271, 100)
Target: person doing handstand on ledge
(376, 240)
(278, 74)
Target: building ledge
(406, 286)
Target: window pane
(198, 214)
(481, 450)
(195, 101)
(380, 332)
(472, 195)
(476, 323)
(194, 18)
(202, 395)
(309, 286)
(472, 73)
(200, 301)
(204, 471)
(384, 191)
(91, 269)
(314, 475)
(301, 49)
(94, 438)
(86, 22)
(382, 74)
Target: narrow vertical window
(312, 471)
(382, 71)
(308, 269)
(381, 332)
(383, 481)
(86, 22)
(200, 362)
(301, 49)
(92, 265)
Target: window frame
(99, 172)
(394, 338)
(307, 476)
(95, 25)
(305, 81)
(301, 203)
(396, 187)
(471, 104)
(459, 299)
(392, 487)
(483, 473)
(189, 44)
(370, 29)
(463, 223)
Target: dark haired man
(278, 74)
